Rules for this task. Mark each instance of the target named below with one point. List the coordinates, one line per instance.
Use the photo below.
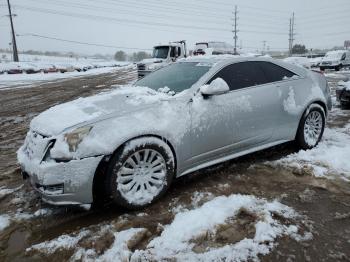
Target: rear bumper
(343, 96)
(61, 183)
(329, 66)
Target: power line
(83, 43)
(137, 22)
(123, 21)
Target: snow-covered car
(335, 60)
(298, 60)
(49, 68)
(63, 68)
(131, 142)
(30, 68)
(315, 61)
(343, 94)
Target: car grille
(35, 145)
(141, 67)
(326, 63)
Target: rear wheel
(311, 127)
(140, 173)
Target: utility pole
(264, 47)
(291, 34)
(235, 37)
(14, 44)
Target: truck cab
(162, 55)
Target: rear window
(275, 73)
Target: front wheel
(140, 173)
(311, 127)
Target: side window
(179, 51)
(241, 75)
(172, 51)
(275, 73)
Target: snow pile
(329, 158)
(119, 248)
(4, 221)
(177, 240)
(6, 191)
(62, 242)
(299, 61)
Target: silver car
(130, 143)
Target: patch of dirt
(232, 231)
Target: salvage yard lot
(274, 205)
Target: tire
(304, 138)
(344, 105)
(140, 172)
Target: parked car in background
(343, 94)
(30, 68)
(48, 68)
(335, 60)
(131, 142)
(213, 48)
(63, 68)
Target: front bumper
(143, 73)
(61, 183)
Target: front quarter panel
(167, 119)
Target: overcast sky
(141, 24)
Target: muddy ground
(324, 202)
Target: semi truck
(162, 55)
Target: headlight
(74, 138)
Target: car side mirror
(217, 87)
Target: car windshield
(177, 77)
(160, 52)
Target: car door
(290, 87)
(224, 124)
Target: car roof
(215, 59)
(218, 61)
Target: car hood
(120, 101)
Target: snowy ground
(27, 80)
(275, 205)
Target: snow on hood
(119, 101)
(152, 60)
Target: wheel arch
(317, 102)
(98, 191)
